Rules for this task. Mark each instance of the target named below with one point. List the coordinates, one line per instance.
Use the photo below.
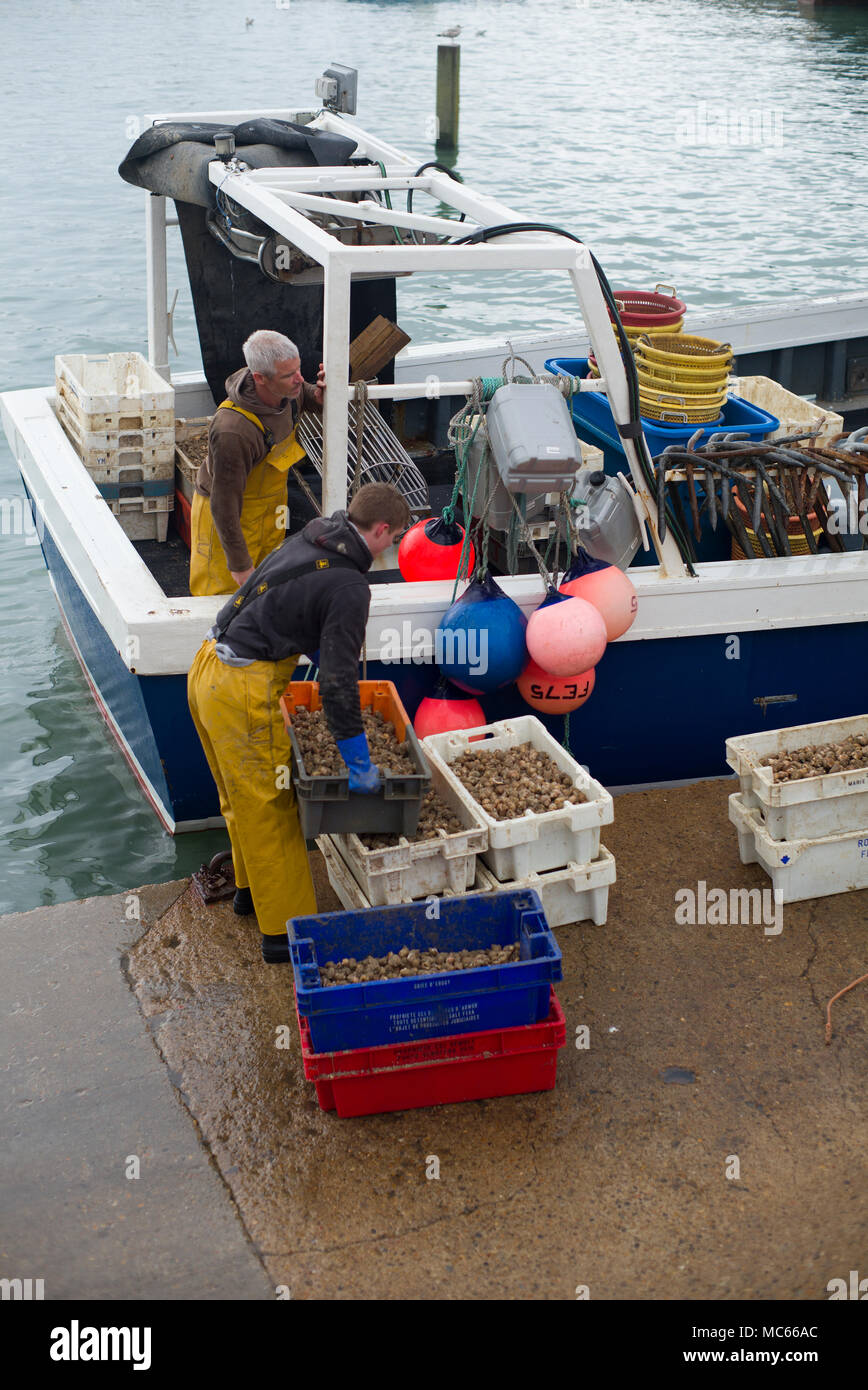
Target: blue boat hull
(662, 710)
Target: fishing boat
(291, 218)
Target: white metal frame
(281, 197)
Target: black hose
(444, 169)
(645, 461)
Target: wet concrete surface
(630, 1178)
(108, 1191)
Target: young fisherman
(311, 593)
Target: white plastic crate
(535, 841)
(114, 391)
(415, 868)
(350, 891)
(795, 414)
(107, 454)
(573, 894)
(803, 868)
(142, 518)
(812, 807)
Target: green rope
(388, 201)
(461, 436)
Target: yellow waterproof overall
(237, 716)
(264, 493)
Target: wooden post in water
(448, 70)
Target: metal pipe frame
(365, 211)
(157, 284)
(415, 390)
(280, 197)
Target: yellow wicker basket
(685, 350)
(795, 535)
(677, 410)
(678, 414)
(702, 378)
(651, 383)
(671, 329)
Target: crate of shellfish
(469, 1066)
(577, 893)
(439, 857)
(542, 809)
(395, 974)
(350, 892)
(805, 867)
(806, 781)
(319, 775)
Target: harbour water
(716, 144)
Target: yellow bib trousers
(261, 525)
(237, 716)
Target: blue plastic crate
(424, 1006)
(592, 418)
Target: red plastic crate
(437, 1071)
(183, 515)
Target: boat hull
(661, 710)
(148, 715)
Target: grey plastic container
(327, 806)
(605, 518)
(533, 439)
(499, 510)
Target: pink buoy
(554, 694)
(565, 635)
(607, 588)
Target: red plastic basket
(437, 1071)
(648, 308)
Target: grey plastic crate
(326, 806)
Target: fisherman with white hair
(239, 505)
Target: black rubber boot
(242, 903)
(275, 949)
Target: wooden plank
(374, 347)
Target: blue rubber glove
(364, 775)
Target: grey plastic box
(532, 438)
(500, 509)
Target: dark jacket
(235, 447)
(327, 609)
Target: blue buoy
(479, 643)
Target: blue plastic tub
(424, 1006)
(593, 421)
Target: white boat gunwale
(158, 634)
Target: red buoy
(432, 549)
(445, 710)
(554, 694)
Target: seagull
(248, 22)
(450, 33)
